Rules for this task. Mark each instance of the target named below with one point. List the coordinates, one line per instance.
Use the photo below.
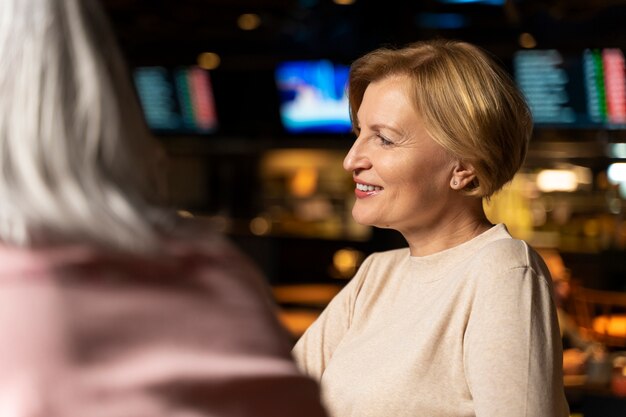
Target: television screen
(585, 90)
(313, 97)
(176, 100)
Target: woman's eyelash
(384, 141)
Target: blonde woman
(462, 322)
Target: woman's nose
(356, 159)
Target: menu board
(585, 90)
(176, 100)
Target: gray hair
(77, 162)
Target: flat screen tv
(313, 96)
(176, 100)
(586, 90)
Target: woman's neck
(447, 233)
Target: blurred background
(247, 97)
(219, 81)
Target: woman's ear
(463, 175)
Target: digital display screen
(313, 97)
(176, 100)
(587, 90)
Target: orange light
(248, 21)
(304, 182)
(526, 40)
(209, 60)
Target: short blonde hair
(469, 104)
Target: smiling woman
(462, 322)
(400, 171)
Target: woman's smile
(363, 190)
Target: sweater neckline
(498, 231)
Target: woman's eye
(384, 141)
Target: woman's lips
(363, 190)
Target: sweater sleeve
(512, 348)
(316, 347)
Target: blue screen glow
(313, 96)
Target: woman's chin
(364, 219)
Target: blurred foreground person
(110, 306)
(462, 322)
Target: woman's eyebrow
(380, 126)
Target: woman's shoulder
(506, 259)
(211, 258)
(508, 252)
(186, 245)
(217, 342)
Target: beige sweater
(469, 331)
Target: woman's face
(402, 175)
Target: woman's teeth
(364, 187)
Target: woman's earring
(454, 182)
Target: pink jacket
(187, 334)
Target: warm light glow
(526, 40)
(185, 214)
(550, 180)
(260, 226)
(344, 2)
(591, 228)
(209, 60)
(610, 325)
(583, 174)
(617, 172)
(248, 21)
(304, 182)
(346, 261)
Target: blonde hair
(470, 106)
(76, 158)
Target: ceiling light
(248, 21)
(550, 180)
(209, 60)
(526, 40)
